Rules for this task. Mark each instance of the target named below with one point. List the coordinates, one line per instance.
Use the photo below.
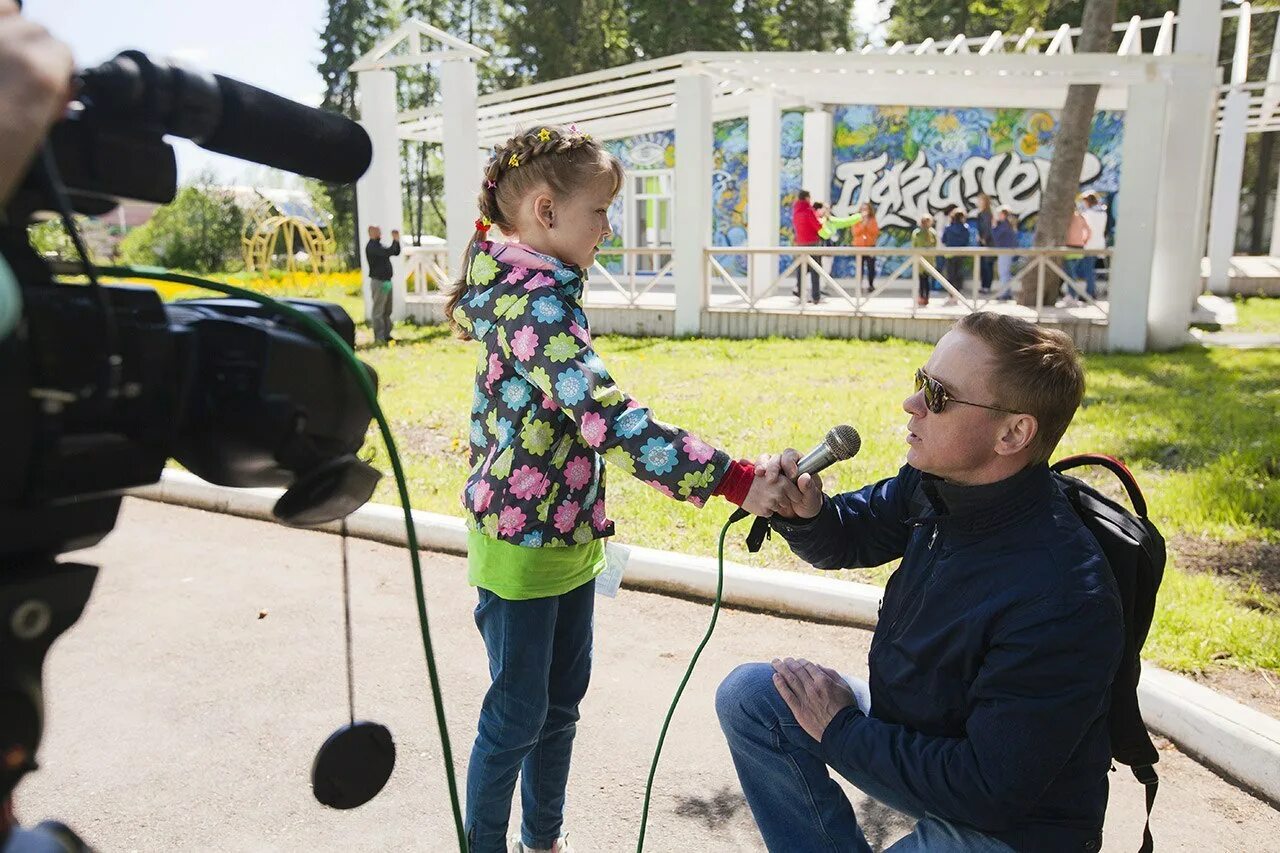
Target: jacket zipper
(924, 581)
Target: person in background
(866, 231)
(1005, 236)
(1095, 216)
(824, 214)
(924, 237)
(805, 222)
(955, 236)
(985, 219)
(1078, 234)
(380, 276)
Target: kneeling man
(998, 638)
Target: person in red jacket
(804, 219)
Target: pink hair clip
(490, 184)
(573, 128)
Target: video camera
(100, 385)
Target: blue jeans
(796, 804)
(540, 662)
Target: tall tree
(1071, 137)
(550, 39)
(797, 24)
(351, 29)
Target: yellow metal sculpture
(294, 236)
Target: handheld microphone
(841, 442)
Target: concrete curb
(1237, 741)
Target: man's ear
(544, 210)
(1016, 436)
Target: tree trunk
(1070, 141)
(1261, 189)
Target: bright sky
(273, 44)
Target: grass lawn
(1258, 314)
(1197, 426)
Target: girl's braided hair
(554, 156)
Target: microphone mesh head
(844, 441)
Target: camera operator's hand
(806, 495)
(35, 85)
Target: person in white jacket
(1095, 216)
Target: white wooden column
(1136, 216)
(692, 215)
(1175, 277)
(764, 186)
(462, 161)
(816, 165)
(1224, 210)
(1198, 32)
(378, 198)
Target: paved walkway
(184, 709)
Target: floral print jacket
(546, 413)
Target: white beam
(816, 159)
(378, 200)
(1240, 61)
(1224, 209)
(1164, 38)
(764, 185)
(1175, 277)
(1131, 44)
(1137, 213)
(693, 187)
(1198, 34)
(462, 164)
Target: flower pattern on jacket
(547, 415)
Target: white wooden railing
(425, 268)
(1032, 267)
(632, 282)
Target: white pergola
(1168, 97)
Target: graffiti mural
(910, 160)
(907, 161)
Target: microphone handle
(816, 460)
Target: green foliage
(200, 230)
(51, 238)
(916, 20)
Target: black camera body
(101, 385)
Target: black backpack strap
(1115, 466)
(760, 529)
(1146, 774)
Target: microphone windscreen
(265, 128)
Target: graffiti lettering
(902, 192)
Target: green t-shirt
(517, 573)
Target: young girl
(546, 415)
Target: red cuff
(736, 482)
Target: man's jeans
(797, 805)
(540, 662)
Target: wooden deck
(892, 313)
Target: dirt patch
(1255, 565)
(428, 440)
(1258, 690)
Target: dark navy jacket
(999, 635)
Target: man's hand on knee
(815, 694)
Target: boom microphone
(842, 442)
(227, 116)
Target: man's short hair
(804, 195)
(1038, 371)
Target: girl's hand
(804, 498)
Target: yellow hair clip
(514, 161)
(544, 134)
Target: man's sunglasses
(936, 397)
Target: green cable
(329, 336)
(715, 611)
